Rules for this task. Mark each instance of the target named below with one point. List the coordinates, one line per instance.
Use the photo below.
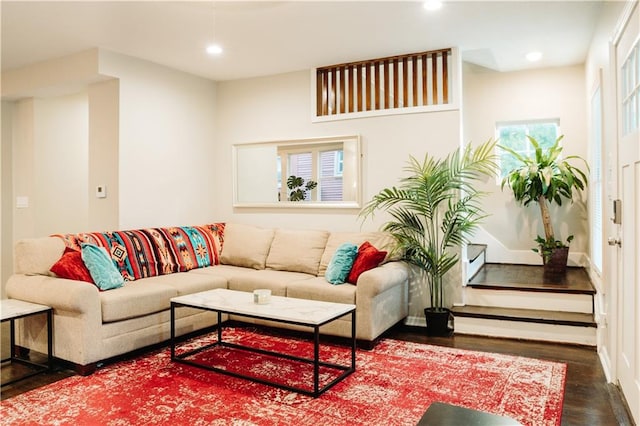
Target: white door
(627, 50)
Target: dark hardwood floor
(589, 399)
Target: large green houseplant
(433, 211)
(546, 178)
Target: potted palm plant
(546, 179)
(433, 211)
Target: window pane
(544, 133)
(514, 136)
(300, 165)
(511, 136)
(630, 81)
(331, 175)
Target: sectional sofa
(91, 325)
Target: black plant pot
(438, 320)
(555, 267)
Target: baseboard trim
(414, 321)
(605, 361)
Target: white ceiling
(263, 38)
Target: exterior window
(301, 165)
(514, 136)
(323, 165)
(331, 175)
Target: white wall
(152, 143)
(104, 142)
(278, 108)
(54, 77)
(490, 97)
(50, 165)
(59, 196)
(23, 167)
(166, 144)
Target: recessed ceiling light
(432, 4)
(534, 56)
(214, 49)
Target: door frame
(613, 255)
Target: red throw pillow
(71, 266)
(368, 258)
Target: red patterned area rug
(393, 385)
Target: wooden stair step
(530, 278)
(525, 315)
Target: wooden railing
(413, 80)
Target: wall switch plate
(101, 191)
(22, 202)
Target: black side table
(13, 309)
(441, 414)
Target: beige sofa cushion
(318, 288)
(297, 250)
(225, 271)
(380, 240)
(276, 281)
(136, 298)
(246, 245)
(188, 283)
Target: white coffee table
(302, 312)
(13, 309)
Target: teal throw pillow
(101, 267)
(341, 263)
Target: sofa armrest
(378, 280)
(59, 293)
(77, 317)
(381, 299)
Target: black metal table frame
(38, 367)
(317, 390)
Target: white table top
(311, 312)
(13, 308)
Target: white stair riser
(526, 330)
(561, 302)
